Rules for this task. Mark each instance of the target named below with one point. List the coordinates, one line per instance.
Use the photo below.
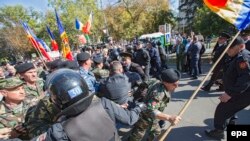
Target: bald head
(116, 67)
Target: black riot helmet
(69, 92)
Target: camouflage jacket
(156, 99)
(33, 94)
(41, 117)
(12, 117)
(100, 73)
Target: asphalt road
(199, 115)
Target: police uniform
(217, 72)
(143, 59)
(237, 85)
(246, 33)
(10, 118)
(155, 61)
(82, 108)
(87, 75)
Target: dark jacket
(236, 79)
(138, 69)
(142, 57)
(115, 113)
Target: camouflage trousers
(145, 130)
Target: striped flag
(236, 12)
(65, 41)
(33, 39)
(54, 44)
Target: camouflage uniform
(9, 118)
(34, 94)
(156, 99)
(41, 118)
(100, 73)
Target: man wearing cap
(34, 85)
(237, 88)
(217, 51)
(155, 60)
(156, 94)
(142, 58)
(246, 37)
(98, 70)
(128, 65)
(85, 62)
(12, 108)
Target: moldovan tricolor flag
(32, 38)
(65, 41)
(236, 12)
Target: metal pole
(166, 132)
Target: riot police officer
(69, 92)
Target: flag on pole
(32, 38)
(79, 25)
(87, 26)
(236, 12)
(43, 44)
(54, 44)
(65, 41)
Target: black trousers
(225, 111)
(217, 74)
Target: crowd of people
(108, 88)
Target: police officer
(155, 59)
(142, 58)
(246, 37)
(217, 51)
(237, 88)
(69, 92)
(156, 94)
(85, 62)
(34, 85)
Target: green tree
(135, 17)
(13, 40)
(208, 23)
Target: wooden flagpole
(166, 132)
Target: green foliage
(208, 23)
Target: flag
(54, 44)
(236, 12)
(32, 38)
(65, 41)
(43, 44)
(87, 26)
(82, 39)
(87, 38)
(79, 25)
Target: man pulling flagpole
(237, 13)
